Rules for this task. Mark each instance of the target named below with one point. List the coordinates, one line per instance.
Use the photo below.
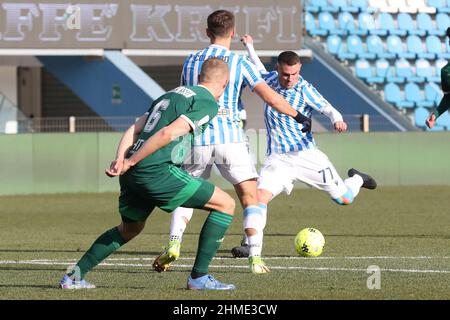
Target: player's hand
(340, 126)
(247, 39)
(431, 120)
(115, 168)
(126, 166)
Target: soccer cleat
(207, 282)
(257, 266)
(242, 251)
(368, 181)
(170, 254)
(68, 283)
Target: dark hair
(448, 32)
(288, 57)
(220, 23)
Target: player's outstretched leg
(368, 181)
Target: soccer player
(445, 102)
(148, 159)
(222, 142)
(292, 155)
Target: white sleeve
(254, 58)
(331, 113)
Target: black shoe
(242, 251)
(368, 181)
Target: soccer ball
(309, 242)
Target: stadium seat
(421, 6)
(323, 6)
(386, 22)
(347, 22)
(442, 23)
(327, 22)
(310, 24)
(344, 6)
(424, 22)
(405, 22)
(381, 6)
(375, 45)
(433, 93)
(415, 45)
(420, 115)
(334, 45)
(363, 69)
(355, 46)
(423, 69)
(415, 95)
(366, 23)
(314, 5)
(395, 46)
(440, 5)
(360, 4)
(403, 69)
(444, 120)
(392, 94)
(384, 70)
(434, 46)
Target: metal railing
(356, 123)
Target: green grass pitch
(405, 231)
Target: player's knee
(228, 204)
(346, 199)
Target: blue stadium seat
(416, 96)
(384, 70)
(347, 22)
(363, 69)
(314, 5)
(420, 115)
(442, 23)
(310, 24)
(360, 4)
(424, 70)
(386, 22)
(403, 69)
(366, 23)
(395, 46)
(434, 46)
(444, 120)
(327, 22)
(334, 45)
(433, 93)
(415, 45)
(375, 45)
(440, 5)
(355, 46)
(344, 6)
(394, 95)
(405, 22)
(424, 22)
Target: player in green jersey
(148, 162)
(445, 102)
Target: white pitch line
(40, 262)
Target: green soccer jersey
(445, 78)
(195, 104)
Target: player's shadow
(27, 286)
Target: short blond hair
(214, 69)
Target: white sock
(178, 223)
(255, 243)
(253, 219)
(354, 184)
(263, 208)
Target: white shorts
(281, 170)
(233, 160)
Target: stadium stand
(397, 47)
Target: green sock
(211, 238)
(106, 244)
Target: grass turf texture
(403, 230)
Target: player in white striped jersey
(292, 155)
(222, 143)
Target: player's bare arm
(431, 120)
(163, 137)
(126, 142)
